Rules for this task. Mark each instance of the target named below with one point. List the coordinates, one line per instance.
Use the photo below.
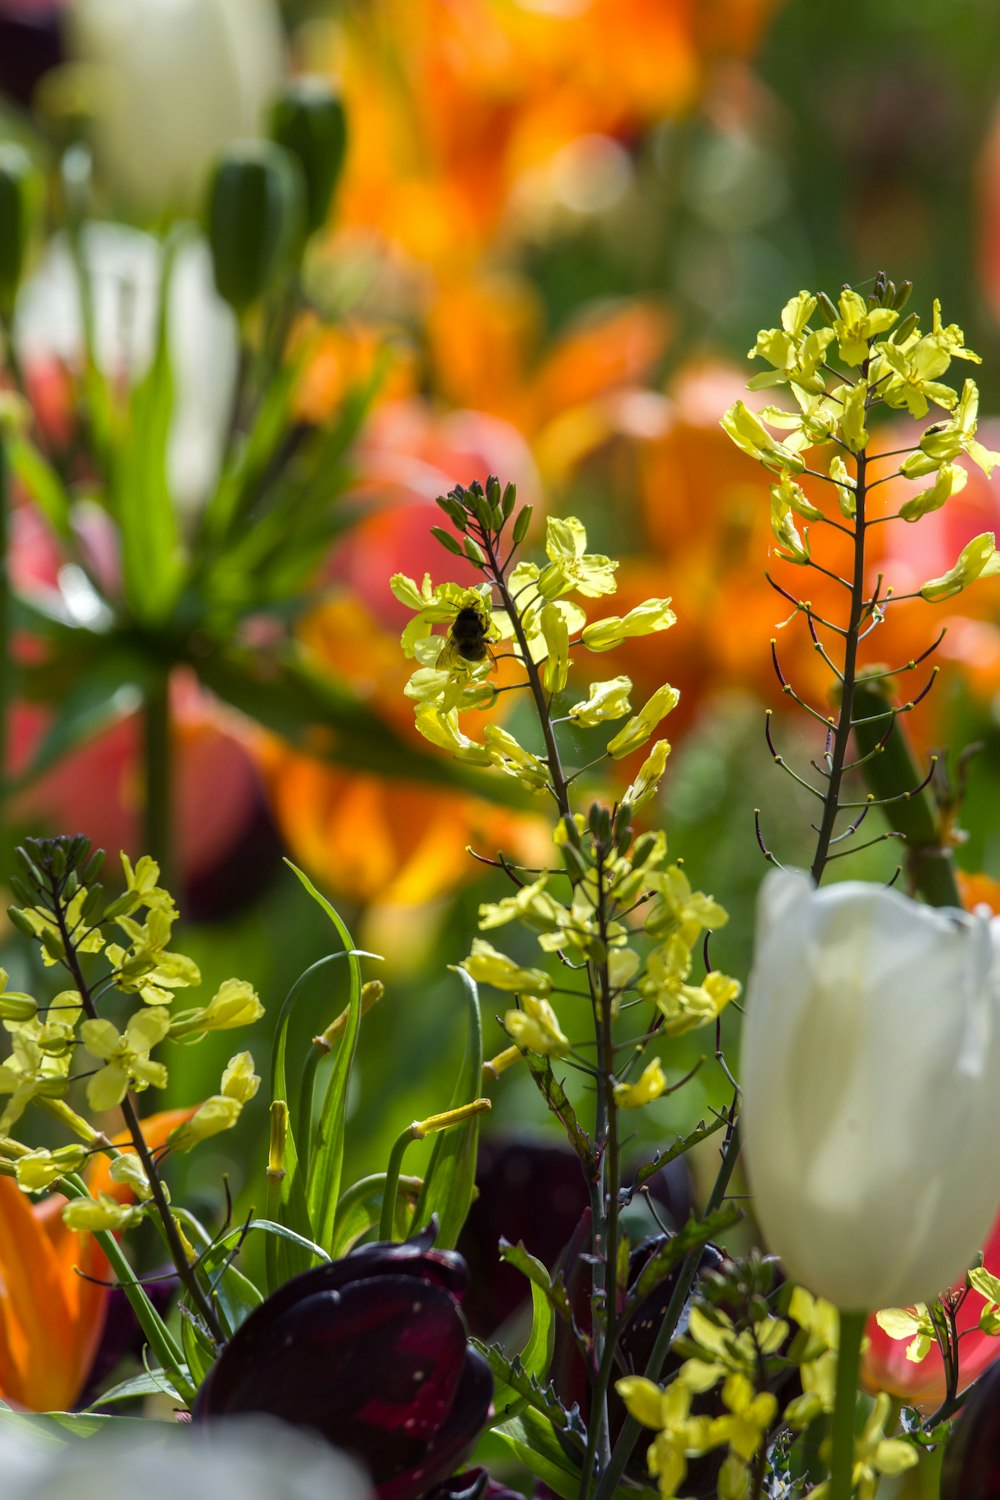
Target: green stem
(852, 1328)
(160, 1339)
(631, 1429)
(392, 1170)
(157, 809)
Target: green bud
(454, 509)
(448, 542)
(576, 862)
(57, 863)
(521, 525)
(493, 490)
(52, 943)
(14, 1007)
(826, 307)
(902, 296)
(93, 868)
(496, 518)
(20, 891)
(509, 500)
(21, 204)
(20, 921)
(91, 903)
(29, 869)
(256, 212)
(902, 330)
(473, 551)
(308, 120)
(120, 907)
(644, 846)
(571, 831)
(479, 506)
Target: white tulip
(124, 268)
(252, 1459)
(871, 1089)
(176, 81)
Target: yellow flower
(944, 441)
(536, 1028)
(648, 777)
(235, 1003)
(605, 700)
(750, 435)
(571, 568)
(219, 1111)
(126, 1057)
(649, 1086)
(645, 619)
(488, 966)
(639, 728)
(977, 559)
(857, 324)
(102, 1212)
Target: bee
(468, 638)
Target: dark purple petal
(971, 1468)
(455, 1440)
(30, 45)
(473, 1484)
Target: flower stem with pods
(188, 1277)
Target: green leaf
(551, 1287)
(326, 1158)
(62, 1427)
(680, 1145)
(149, 1383)
(198, 1349)
(518, 1379)
(41, 482)
(694, 1233)
(450, 1180)
(557, 1100)
(249, 462)
(533, 1438)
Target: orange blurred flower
(51, 1317)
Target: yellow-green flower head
(235, 1003)
(126, 1059)
(977, 559)
(648, 1086)
(438, 604)
(102, 1212)
(532, 606)
(797, 356)
(128, 1169)
(511, 758)
(13, 1005)
(39, 1169)
(750, 435)
(639, 728)
(147, 967)
(220, 1111)
(85, 940)
(488, 966)
(441, 728)
(239, 1081)
(531, 904)
(646, 784)
(646, 618)
(571, 568)
(535, 1028)
(30, 1072)
(605, 700)
(681, 910)
(857, 324)
(950, 480)
(944, 441)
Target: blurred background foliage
(559, 227)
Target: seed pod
(521, 525)
(902, 295)
(256, 213)
(473, 551)
(509, 499)
(448, 542)
(455, 509)
(308, 120)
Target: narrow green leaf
(360, 1208)
(679, 1146)
(326, 1157)
(149, 1383)
(450, 1180)
(552, 1288)
(198, 1349)
(41, 482)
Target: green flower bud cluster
(63, 907)
(888, 362)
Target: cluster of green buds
(64, 908)
(530, 614)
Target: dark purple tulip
(30, 45)
(473, 1484)
(372, 1352)
(972, 1459)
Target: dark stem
(175, 1244)
(842, 734)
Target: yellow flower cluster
(893, 364)
(45, 1041)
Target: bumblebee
(468, 638)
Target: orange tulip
(51, 1316)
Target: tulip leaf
(533, 1438)
(326, 1154)
(41, 482)
(198, 1349)
(694, 1233)
(61, 1427)
(518, 1378)
(514, 1389)
(361, 1206)
(450, 1179)
(149, 1383)
(552, 1287)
